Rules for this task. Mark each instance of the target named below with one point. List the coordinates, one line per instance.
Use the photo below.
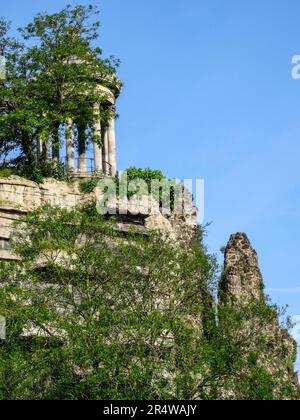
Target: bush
(40, 170)
(126, 318)
(147, 175)
(114, 313)
(88, 185)
(5, 172)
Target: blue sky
(208, 94)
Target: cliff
(19, 196)
(253, 349)
(259, 335)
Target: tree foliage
(52, 75)
(94, 314)
(119, 318)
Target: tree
(12, 89)
(117, 317)
(93, 313)
(52, 80)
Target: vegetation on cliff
(94, 314)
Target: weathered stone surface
(242, 277)
(241, 284)
(19, 195)
(259, 332)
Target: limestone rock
(242, 278)
(259, 332)
(19, 195)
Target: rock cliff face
(243, 279)
(259, 334)
(19, 195)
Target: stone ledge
(19, 195)
(17, 180)
(8, 255)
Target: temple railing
(90, 168)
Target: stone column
(43, 147)
(106, 167)
(55, 143)
(46, 149)
(82, 149)
(39, 150)
(98, 167)
(70, 145)
(112, 159)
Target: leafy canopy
(52, 74)
(93, 313)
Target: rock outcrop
(253, 327)
(19, 195)
(259, 334)
(242, 277)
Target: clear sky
(209, 94)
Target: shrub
(5, 172)
(40, 170)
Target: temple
(103, 162)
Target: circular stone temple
(103, 162)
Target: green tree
(93, 313)
(12, 94)
(117, 317)
(53, 76)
